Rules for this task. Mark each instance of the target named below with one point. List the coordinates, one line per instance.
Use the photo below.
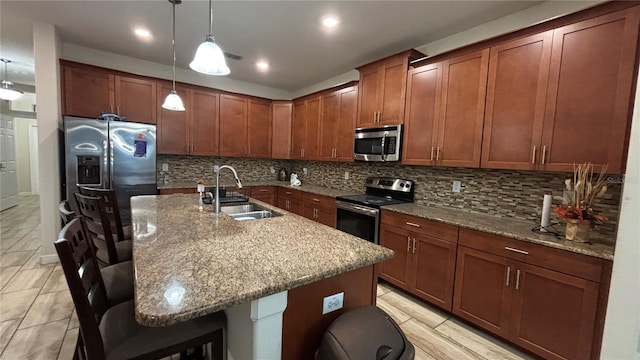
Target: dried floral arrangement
(201, 182)
(581, 193)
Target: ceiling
(288, 34)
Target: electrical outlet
(332, 303)
(346, 175)
(165, 167)
(457, 184)
(305, 171)
(272, 169)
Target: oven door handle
(384, 138)
(357, 208)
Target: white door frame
(8, 174)
(33, 159)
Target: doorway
(8, 173)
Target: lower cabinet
(264, 193)
(424, 264)
(548, 312)
(319, 208)
(290, 200)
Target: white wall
(23, 151)
(46, 48)
(622, 324)
(147, 68)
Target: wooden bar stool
(65, 212)
(111, 332)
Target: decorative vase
(577, 230)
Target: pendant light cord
(210, 18)
(173, 44)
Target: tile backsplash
(503, 193)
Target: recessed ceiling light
(330, 21)
(142, 33)
(262, 65)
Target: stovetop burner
(383, 191)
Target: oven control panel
(388, 183)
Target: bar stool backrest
(97, 223)
(65, 212)
(84, 279)
(110, 205)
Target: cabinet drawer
(421, 226)
(262, 190)
(319, 201)
(289, 194)
(583, 266)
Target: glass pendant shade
(7, 92)
(209, 59)
(173, 102)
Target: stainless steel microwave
(378, 143)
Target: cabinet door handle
(432, 148)
(544, 153)
(516, 250)
(533, 155)
(414, 246)
(408, 243)
(375, 113)
(288, 193)
(118, 108)
(316, 200)
(438, 153)
(508, 275)
(263, 190)
(517, 279)
(412, 224)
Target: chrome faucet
(216, 169)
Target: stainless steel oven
(358, 220)
(377, 144)
(359, 215)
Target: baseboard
(49, 259)
(25, 193)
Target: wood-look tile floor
(37, 319)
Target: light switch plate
(346, 175)
(305, 171)
(457, 184)
(272, 169)
(165, 167)
(332, 303)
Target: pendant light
(7, 92)
(209, 57)
(173, 101)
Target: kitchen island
(189, 263)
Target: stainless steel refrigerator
(110, 155)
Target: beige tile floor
(37, 319)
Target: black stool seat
(118, 281)
(365, 333)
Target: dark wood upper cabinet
(88, 92)
(203, 124)
(383, 85)
(338, 123)
(305, 134)
(281, 133)
(259, 128)
(464, 85)
(516, 94)
(136, 99)
(172, 131)
(424, 92)
(591, 80)
(312, 117)
(233, 125)
(298, 129)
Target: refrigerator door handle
(105, 165)
(110, 185)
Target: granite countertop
(511, 228)
(314, 189)
(190, 263)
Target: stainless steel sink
(248, 211)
